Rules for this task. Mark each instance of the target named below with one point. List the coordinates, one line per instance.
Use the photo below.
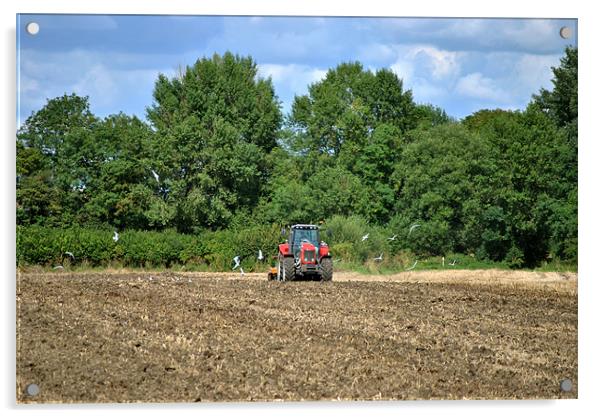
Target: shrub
(344, 234)
(95, 247)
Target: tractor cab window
(300, 235)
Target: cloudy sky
(461, 65)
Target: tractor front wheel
(326, 267)
(286, 269)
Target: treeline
(218, 155)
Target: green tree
(561, 104)
(443, 180)
(429, 116)
(117, 184)
(45, 168)
(37, 199)
(348, 104)
(538, 172)
(374, 164)
(215, 124)
(46, 130)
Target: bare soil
(188, 337)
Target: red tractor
(303, 256)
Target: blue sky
(461, 65)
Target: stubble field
(189, 337)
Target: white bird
(260, 256)
(155, 175)
(236, 262)
(115, 236)
(414, 265)
(242, 272)
(379, 258)
(365, 237)
(443, 261)
(57, 267)
(413, 227)
(392, 238)
(70, 254)
(453, 263)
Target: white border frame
(589, 232)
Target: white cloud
(293, 76)
(404, 69)
(441, 63)
(425, 91)
(290, 80)
(98, 83)
(477, 86)
(425, 60)
(535, 71)
(109, 80)
(377, 53)
(428, 71)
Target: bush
(95, 247)
(224, 245)
(146, 249)
(344, 234)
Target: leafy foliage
(345, 107)
(214, 125)
(217, 173)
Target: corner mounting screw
(566, 385)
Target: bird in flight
(365, 237)
(236, 262)
(115, 236)
(414, 265)
(155, 175)
(260, 256)
(379, 258)
(412, 228)
(392, 238)
(70, 254)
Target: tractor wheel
(326, 267)
(286, 269)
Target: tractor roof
(304, 226)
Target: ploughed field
(186, 337)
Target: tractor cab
(301, 234)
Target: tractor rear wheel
(326, 267)
(286, 269)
